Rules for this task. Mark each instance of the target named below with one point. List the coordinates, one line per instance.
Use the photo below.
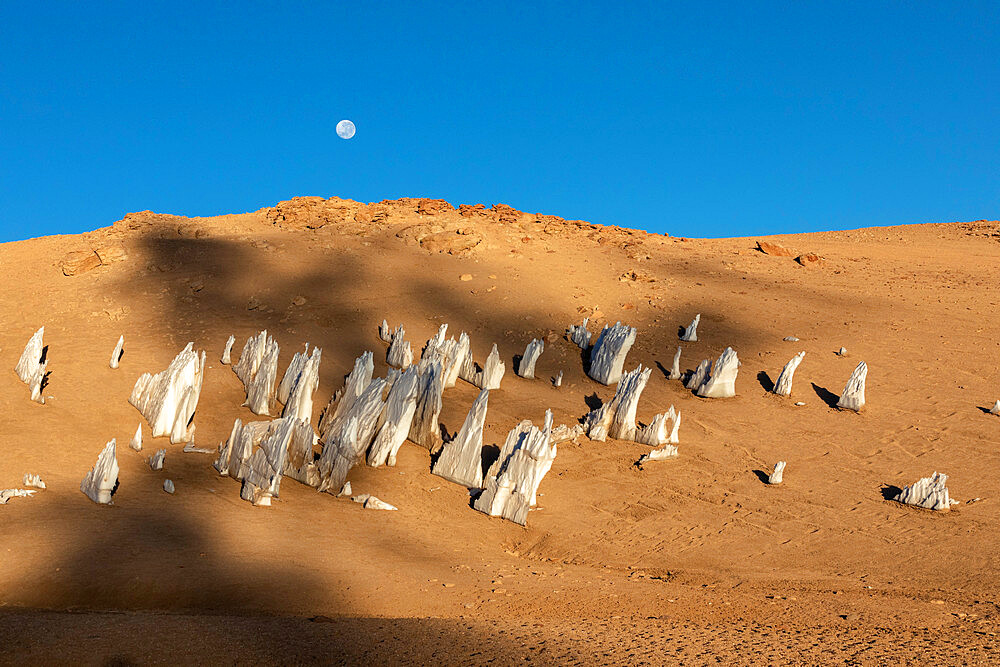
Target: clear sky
(693, 118)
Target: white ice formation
(461, 459)
(156, 460)
(662, 454)
(557, 380)
(616, 418)
(33, 481)
(493, 371)
(168, 485)
(563, 433)
(384, 332)
(355, 384)
(607, 358)
(101, 481)
(425, 429)
(136, 442)
(259, 453)
(690, 334)
(842, 351)
(783, 386)
(853, 397)
(776, 476)
(721, 382)
(7, 494)
(189, 448)
(452, 353)
(929, 492)
(349, 436)
(995, 410)
(675, 368)
(346, 490)
(168, 399)
(227, 352)
(526, 368)
(299, 384)
(656, 432)
(394, 424)
(31, 367)
(399, 354)
(578, 334)
(116, 354)
(370, 502)
(512, 481)
(700, 373)
(258, 370)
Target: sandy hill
(694, 558)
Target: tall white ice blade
(101, 481)
(357, 381)
(783, 387)
(526, 368)
(31, 368)
(228, 350)
(116, 354)
(168, 400)
(395, 422)
(853, 397)
(777, 475)
(302, 386)
(424, 428)
(461, 459)
(345, 444)
(493, 371)
(675, 368)
(700, 374)
(721, 382)
(690, 334)
(607, 358)
(258, 370)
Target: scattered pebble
(465, 277)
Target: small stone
(299, 301)
(791, 339)
(465, 277)
(809, 259)
(79, 261)
(168, 486)
(253, 303)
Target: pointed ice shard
(578, 334)
(929, 492)
(453, 354)
(399, 354)
(101, 481)
(675, 369)
(690, 334)
(700, 374)
(227, 352)
(461, 459)
(995, 410)
(394, 426)
(616, 418)
(355, 385)
(655, 434)
(258, 369)
(347, 441)
(493, 370)
(156, 460)
(526, 368)
(607, 358)
(300, 462)
(425, 429)
(234, 452)
(33, 480)
(776, 476)
(168, 485)
(136, 442)
(303, 379)
(384, 332)
(262, 471)
(116, 355)
(31, 366)
(783, 387)
(557, 380)
(168, 399)
(853, 397)
(721, 382)
(513, 480)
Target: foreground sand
(694, 558)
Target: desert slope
(622, 559)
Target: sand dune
(694, 557)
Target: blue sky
(693, 119)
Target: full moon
(345, 129)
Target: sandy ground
(693, 560)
